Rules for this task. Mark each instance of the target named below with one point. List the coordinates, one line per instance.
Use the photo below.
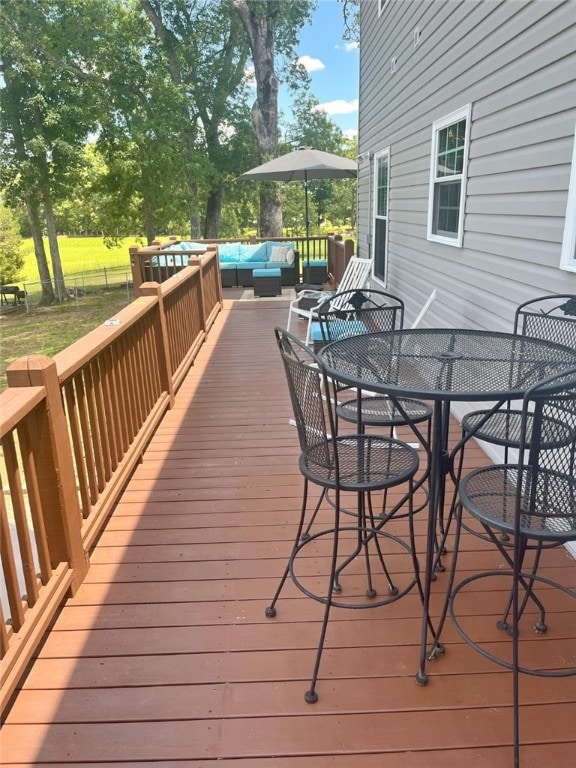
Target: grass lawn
(78, 254)
(47, 330)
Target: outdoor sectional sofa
(239, 260)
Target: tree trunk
(48, 296)
(270, 223)
(149, 219)
(214, 212)
(260, 25)
(51, 230)
(31, 199)
(52, 233)
(193, 214)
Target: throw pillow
(280, 253)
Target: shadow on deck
(164, 657)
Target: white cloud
(350, 133)
(310, 64)
(350, 46)
(338, 107)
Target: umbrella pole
(307, 227)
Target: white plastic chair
(356, 275)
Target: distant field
(78, 254)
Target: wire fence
(77, 286)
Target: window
(381, 4)
(380, 238)
(568, 258)
(450, 139)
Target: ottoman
(267, 282)
(315, 271)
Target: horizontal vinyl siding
(515, 62)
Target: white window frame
(375, 215)
(454, 117)
(568, 255)
(381, 5)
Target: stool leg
(515, 650)
(311, 696)
(271, 609)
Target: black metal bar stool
(356, 463)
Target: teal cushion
(345, 329)
(316, 332)
(169, 260)
(252, 252)
(186, 245)
(252, 265)
(228, 252)
(224, 265)
(268, 272)
(315, 263)
(278, 265)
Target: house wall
(514, 61)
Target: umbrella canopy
(303, 164)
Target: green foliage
(133, 116)
(51, 98)
(11, 258)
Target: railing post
(137, 277)
(198, 261)
(164, 356)
(55, 470)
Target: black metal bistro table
(443, 365)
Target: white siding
(515, 62)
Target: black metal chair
(534, 502)
(358, 312)
(368, 311)
(357, 463)
(551, 318)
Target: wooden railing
(146, 264)
(72, 429)
(338, 254)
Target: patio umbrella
(301, 165)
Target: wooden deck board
(164, 656)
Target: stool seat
(267, 282)
(276, 272)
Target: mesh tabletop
(446, 364)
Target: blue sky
(332, 65)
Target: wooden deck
(164, 657)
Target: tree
(50, 104)
(205, 52)
(271, 26)
(11, 259)
(350, 12)
(138, 137)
